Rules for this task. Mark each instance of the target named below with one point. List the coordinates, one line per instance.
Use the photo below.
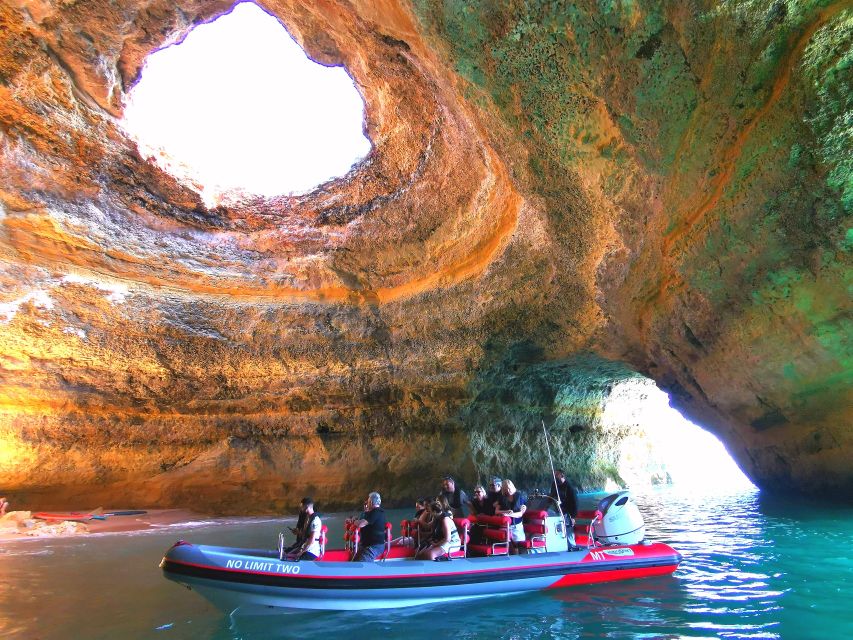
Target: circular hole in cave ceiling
(238, 110)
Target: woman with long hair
(445, 535)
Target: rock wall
(664, 184)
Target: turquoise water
(753, 568)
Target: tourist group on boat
(434, 531)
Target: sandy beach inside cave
(20, 525)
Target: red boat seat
(535, 528)
(342, 555)
(336, 555)
(495, 528)
(501, 535)
(397, 552)
(487, 550)
(492, 521)
(462, 525)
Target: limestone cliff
(666, 185)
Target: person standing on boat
(513, 504)
(455, 496)
(372, 524)
(310, 547)
(564, 493)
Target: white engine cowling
(622, 522)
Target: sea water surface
(753, 567)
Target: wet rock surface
(662, 187)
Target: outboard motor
(621, 522)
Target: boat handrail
(387, 550)
(324, 534)
(590, 534)
(352, 537)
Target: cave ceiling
(662, 185)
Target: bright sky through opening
(691, 456)
(238, 106)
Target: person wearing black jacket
(565, 494)
(455, 496)
(479, 504)
(493, 495)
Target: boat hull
(257, 581)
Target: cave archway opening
(238, 110)
(666, 447)
(609, 427)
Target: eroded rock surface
(666, 185)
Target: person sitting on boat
(310, 547)
(372, 524)
(457, 498)
(493, 495)
(421, 505)
(513, 503)
(299, 529)
(445, 535)
(425, 524)
(564, 493)
(411, 541)
(479, 504)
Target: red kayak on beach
(74, 516)
(83, 516)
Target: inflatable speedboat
(260, 581)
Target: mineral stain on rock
(560, 196)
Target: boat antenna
(556, 488)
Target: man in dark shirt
(456, 497)
(493, 496)
(372, 524)
(299, 529)
(565, 494)
(479, 504)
